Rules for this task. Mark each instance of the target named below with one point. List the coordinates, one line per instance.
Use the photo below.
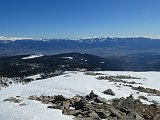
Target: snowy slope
(69, 85)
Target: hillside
(26, 65)
(48, 65)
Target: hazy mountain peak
(13, 38)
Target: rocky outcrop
(111, 77)
(147, 90)
(119, 78)
(93, 107)
(14, 100)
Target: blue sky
(80, 18)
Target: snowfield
(69, 85)
(32, 56)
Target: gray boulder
(109, 92)
(59, 98)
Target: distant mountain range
(101, 46)
(102, 53)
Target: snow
(34, 76)
(149, 79)
(71, 58)
(96, 37)
(14, 38)
(69, 84)
(32, 56)
(33, 110)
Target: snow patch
(71, 58)
(32, 56)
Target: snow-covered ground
(69, 85)
(149, 79)
(32, 56)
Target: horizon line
(74, 38)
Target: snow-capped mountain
(102, 46)
(3, 38)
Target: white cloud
(13, 38)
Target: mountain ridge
(103, 46)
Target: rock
(32, 97)
(23, 104)
(157, 117)
(55, 106)
(79, 105)
(40, 98)
(93, 114)
(65, 111)
(117, 113)
(147, 116)
(138, 117)
(50, 103)
(108, 113)
(74, 112)
(93, 107)
(109, 92)
(125, 110)
(17, 101)
(59, 98)
(12, 99)
(125, 105)
(143, 97)
(134, 116)
(91, 96)
(101, 113)
(66, 105)
(147, 90)
(87, 112)
(154, 102)
(80, 116)
(100, 100)
(51, 100)
(46, 98)
(45, 102)
(89, 106)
